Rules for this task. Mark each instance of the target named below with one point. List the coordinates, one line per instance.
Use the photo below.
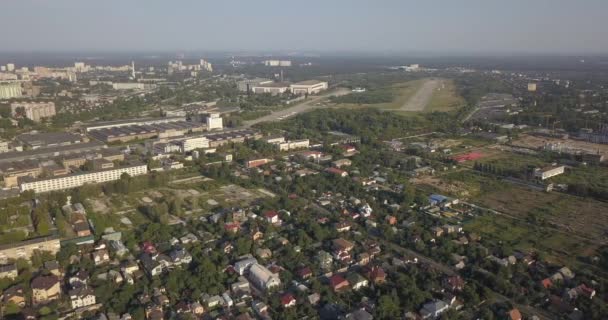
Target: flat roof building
(25, 249)
(308, 87)
(49, 139)
(51, 152)
(79, 179)
(10, 89)
(248, 84)
(548, 172)
(273, 88)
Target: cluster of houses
(49, 286)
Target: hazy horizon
(389, 27)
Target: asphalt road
(422, 97)
(302, 107)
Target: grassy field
(403, 92)
(557, 247)
(444, 98)
(584, 217)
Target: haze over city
(289, 160)
(469, 26)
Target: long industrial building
(273, 88)
(200, 141)
(47, 153)
(308, 87)
(79, 179)
(126, 133)
(224, 137)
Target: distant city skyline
(386, 26)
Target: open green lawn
(402, 91)
(444, 99)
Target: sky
(398, 26)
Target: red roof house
(338, 283)
(288, 300)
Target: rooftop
(308, 82)
(50, 152)
(48, 138)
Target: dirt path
(422, 97)
(305, 106)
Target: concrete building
(548, 172)
(80, 67)
(274, 139)
(12, 171)
(263, 278)
(4, 146)
(49, 139)
(79, 179)
(247, 85)
(233, 136)
(277, 63)
(132, 86)
(10, 67)
(34, 111)
(134, 130)
(192, 143)
(53, 152)
(308, 87)
(214, 122)
(55, 73)
(293, 145)
(10, 89)
(206, 65)
(273, 88)
(532, 87)
(25, 249)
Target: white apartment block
(77, 180)
(34, 111)
(214, 121)
(308, 87)
(10, 90)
